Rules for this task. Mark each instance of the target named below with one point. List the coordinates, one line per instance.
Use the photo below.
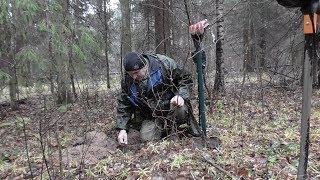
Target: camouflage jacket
(152, 96)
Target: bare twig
(209, 160)
(43, 150)
(59, 150)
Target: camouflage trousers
(154, 128)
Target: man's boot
(194, 128)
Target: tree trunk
(106, 40)
(248, 40)
(79, 10)
(263, 49)
(219, 78)
(162, 26)
(7, 54)
(71, 69)
(18, 43)
(167, 25)
(50, 52)
(147, 16)
(63, 80)
(13, 83)
(159, 28)
(125, 28)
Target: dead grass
(260, 140)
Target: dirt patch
(87, 150)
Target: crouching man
(154, 97)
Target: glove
(197, 31)
(198, 28)
(177, 101)
(123, 137)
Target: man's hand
(123, 137)
(177, 101)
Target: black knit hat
(133, 61)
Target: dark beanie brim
(133, 61)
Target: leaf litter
(258, 139)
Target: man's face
(139, 74)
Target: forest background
(60, 70)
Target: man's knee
(150, 130)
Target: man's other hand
(177, 101)
(123, 137)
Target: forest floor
(258, 130)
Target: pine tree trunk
(50, 53)
(52, 64)
(162, 26)
(106, 41)
(263, 49)
(71, 71)
(148, 14)
(19, 42)
(63, 79)
(248, 40)
(125, 27)
(219, 78)
(167, 25)
(158, 26)
(13, 84)
(262, 40)
(7, 54)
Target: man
(154, 97)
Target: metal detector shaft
(202, 115)
(196, 31)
